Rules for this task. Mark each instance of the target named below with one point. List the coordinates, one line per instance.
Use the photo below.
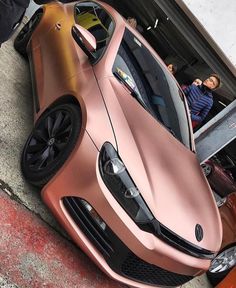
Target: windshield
(152, 85)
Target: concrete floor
(15, 125)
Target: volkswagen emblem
(199, 232)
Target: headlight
(121, 185)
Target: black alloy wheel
(52, 140)
(22, 39)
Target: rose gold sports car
(112, 147)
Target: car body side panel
(95, 117)
(62, 68)
(56, 52)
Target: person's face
(171, 68)
(211, 82)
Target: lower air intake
(139, 270)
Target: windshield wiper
(170, 130)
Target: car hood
(166, 172)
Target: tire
(217, 272)
(51, 142)
(23, 37)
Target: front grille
(174, 240)
(184, 245)
(139, 270)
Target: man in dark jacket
(200, 99)
(11, 14)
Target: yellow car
(92, 23)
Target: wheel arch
(65, 99)
(69, 99)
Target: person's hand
(132, 22)
(197, 82)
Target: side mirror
(85, 40)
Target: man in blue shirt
(200, 99)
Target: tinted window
(97, 21)
(152, 85)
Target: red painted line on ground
(33, 255)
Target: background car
(111, 129)
(220, 179)
(225, 261)
(226, 158)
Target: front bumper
(117, 255)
